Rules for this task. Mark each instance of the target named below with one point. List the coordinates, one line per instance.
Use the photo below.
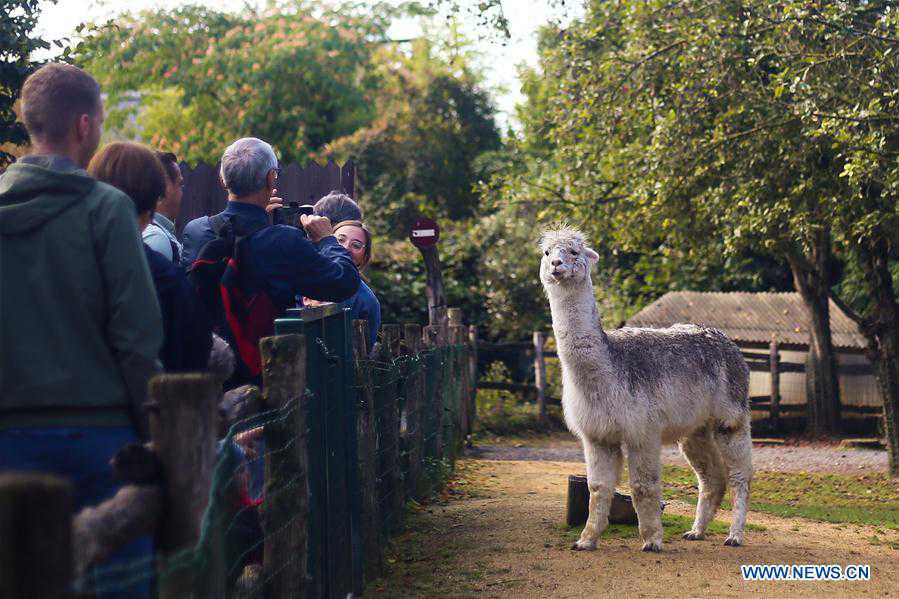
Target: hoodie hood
(31, 195)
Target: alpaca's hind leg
(736, 449)
(701, 451)
(645, 472)
(603, 470)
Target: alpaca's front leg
(645, 472)
(603, 470)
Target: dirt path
(499, 534)
(563, 447)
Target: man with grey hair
(276, 262)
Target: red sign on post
(425, 233)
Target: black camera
(289, 214)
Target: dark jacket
(365, 306)
(282, 261)
(187, 329)
(80, 328)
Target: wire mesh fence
(304, 493)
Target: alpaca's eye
(574, 252)
(546, 253)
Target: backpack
(242, 315)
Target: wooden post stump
(459, 337)
(285, 516)
(182, 411)
(473, 374)
(389, 432)
(621, 511)
(413, 410)
(434, 403)
(366, 431)
(35, 536)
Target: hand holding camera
(299, 216)
(317, 227)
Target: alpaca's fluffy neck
(576, 323)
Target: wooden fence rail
(757, 360)
(351, 433)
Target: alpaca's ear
(592, 256)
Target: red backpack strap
(250, 316)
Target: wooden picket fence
(351, 434)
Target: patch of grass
(868, 499)
(673, 526)
(875, 540)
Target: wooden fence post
(455, 317)
(389, 426)
(285, 517)
(459, 336)
(434, 407)
(35, 536)
(413, 410)
(183, 416)
(473, 374)
(540, 374)
(437, 316)
(367, 446)
(774, 354)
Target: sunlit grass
(871, 499)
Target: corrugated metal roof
(749, 317)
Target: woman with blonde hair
(356, 238)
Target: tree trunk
(811, 276)
(881, 329)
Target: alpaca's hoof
(693, 536)
(581, 545)
(652, 546)
(733, 541)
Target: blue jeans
(82, 456)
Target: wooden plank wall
(204, 195)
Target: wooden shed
(754, 321)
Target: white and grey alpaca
(632, 390)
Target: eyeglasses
(354, 244)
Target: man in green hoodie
(80, 326)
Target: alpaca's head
(566, 258)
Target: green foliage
(321, 84)
(417, 157)
(18, 19)
(705, 144)
(292, 75)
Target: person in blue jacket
(356, 238)
(279, 260)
